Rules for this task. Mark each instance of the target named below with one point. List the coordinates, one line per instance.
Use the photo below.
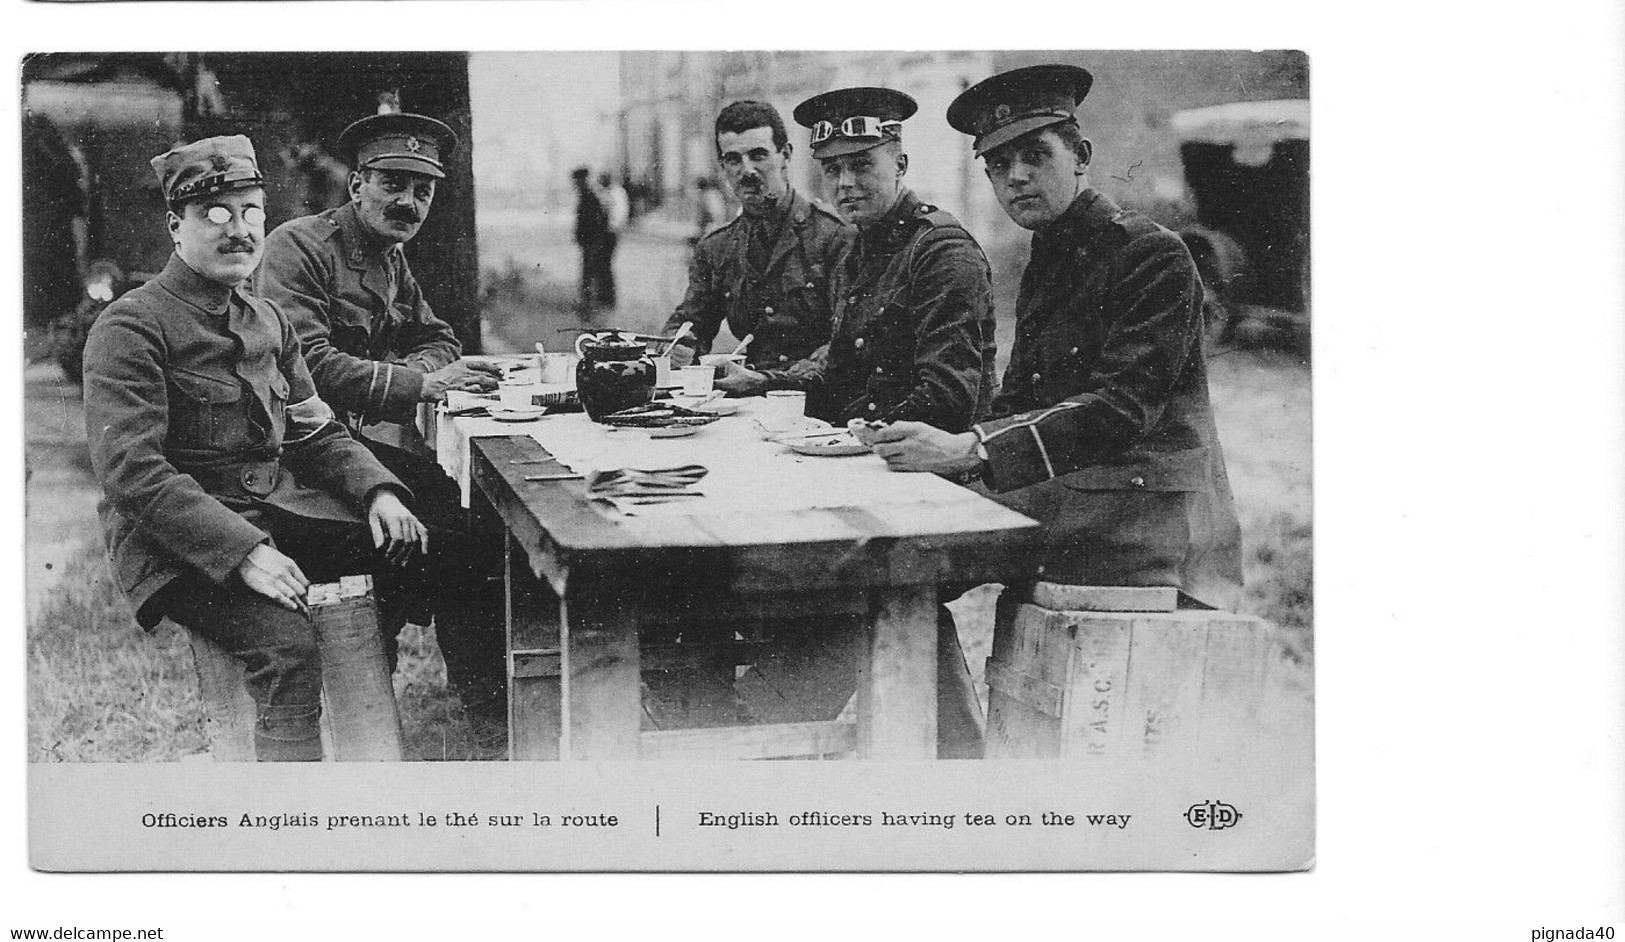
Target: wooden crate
(357, 690)
(360, 721)
(1149, 684)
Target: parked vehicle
(1247, 168)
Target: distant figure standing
(713, 210)
(592, 229)
(618, 209)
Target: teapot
(615, 372)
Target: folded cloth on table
(658, 415)
(660, 483)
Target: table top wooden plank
(951, 535)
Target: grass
(100, 689)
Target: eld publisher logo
(1213, 815)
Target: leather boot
(289, 732)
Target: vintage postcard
(666, 461)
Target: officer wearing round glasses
(229, 486)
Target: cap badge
(413, 145)
(1001, 113)
(219, 162)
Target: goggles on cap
(860, 127)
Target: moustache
(237, 245)
(402, 215)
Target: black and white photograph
(679, 406)
(857, 469)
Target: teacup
(697, 380)
(516, 393)
(558, 368)
(785, 406)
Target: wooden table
(583, 581)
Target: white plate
(835, 446)
(792, 430)
(524, 414)
(674, 431)
(715, 406)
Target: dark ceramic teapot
(615, 373)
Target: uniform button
(1037, 377)
(871, 407)
(880, 369)
(784, 358)
(1074, 351)
(851, 299)
(768, 309)
(857, 344)
(811, 285)
(1137, 481)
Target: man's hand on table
(915, 446)
(394, 529)
(681, 355)
(474, 376)
(734, 378)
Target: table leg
(603, 703)
(897, 675)
(534, 692)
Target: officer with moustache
(377, 350)
(1103, 430)
(912, 334)
(766, 273)
(912, 337)
(229, 485)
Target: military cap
(849, 120)
(410, 142)
(204, 168)
(1002, 108)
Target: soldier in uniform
(1103, 430)
(377, 350)
(912, 337)
(229, 486)
(766, 273)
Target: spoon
(677, 336)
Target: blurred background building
(497, 251)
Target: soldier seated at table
(1102, 431)
(766, 273)
(376, 350)
(912, 336)
(228, 485)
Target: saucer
(521, 414)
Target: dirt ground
(102, 690)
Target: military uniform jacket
(1103, 429)
(785, 305)
(200, 412)
(913, 330)
(368, 334)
